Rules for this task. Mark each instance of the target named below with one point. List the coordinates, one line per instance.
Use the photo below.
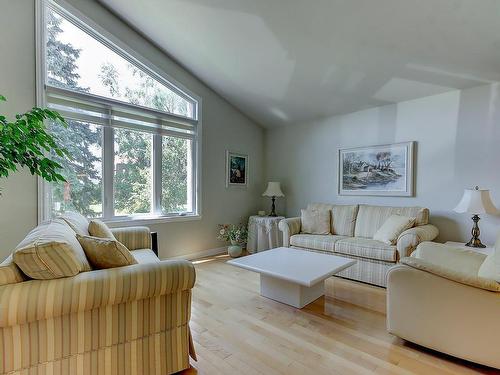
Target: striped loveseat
(126, 320)
(353, 228)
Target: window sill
(135, 221)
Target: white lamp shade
(475, 201)
(273, 190)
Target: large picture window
(132, 134)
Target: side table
(461, 245)
(263, 233)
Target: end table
(263, 233)
(461, 245)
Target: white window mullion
(108, 167)
(156, 167)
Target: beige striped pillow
(51, 251)
(10, 273)
(77, 222)
(99, 229)
(105, 252)
(315, 221)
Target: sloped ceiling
(287, 61)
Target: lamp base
(475, 241)
(273, 208)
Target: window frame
(116, 45)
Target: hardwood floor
(236, 331)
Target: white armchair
(436, 299)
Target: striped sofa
(127, 320)
(352, 228)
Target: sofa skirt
(370, 271)
(148, 336)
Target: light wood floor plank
(236, 331)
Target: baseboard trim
(202, 254)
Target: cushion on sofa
(105, 253)
(77, 222)
(392, 228)
(143, 256)
(367, 248)
(99, 229)
(371, 218)
(10, 273)
(343, 217)
(315, 221)
(490, 269)
(51, 251)
(315, 241)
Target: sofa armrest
(43, 299)
(462, 276)
(410, 238)
(133, 238)
(289, 227)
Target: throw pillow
(105, 253)
(490, 269)
(392, 228)
(10, 273)
(77, 222)
(98, 229)
(315, 221)
(51, 251)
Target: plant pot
(234, 250)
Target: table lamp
(273, 190)
(475, 202)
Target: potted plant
(25, 142)
(236, 235)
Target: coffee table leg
(290, 293)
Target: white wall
(18, 212)
(224, 127)
(458, 138)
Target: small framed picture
(236, 169)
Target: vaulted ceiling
(288, 61)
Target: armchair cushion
(463, 277)
(143, 256)
(491, 265)
(51, 251)
(456, 259)
(366, 248)
(315, 241)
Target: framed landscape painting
(377, 170)
(236, 169)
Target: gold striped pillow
(105, 252)
(99, 229)
(10, 273)
(51, 251)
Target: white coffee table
(292, 276)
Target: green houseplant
(235, 234)
(26, 143)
